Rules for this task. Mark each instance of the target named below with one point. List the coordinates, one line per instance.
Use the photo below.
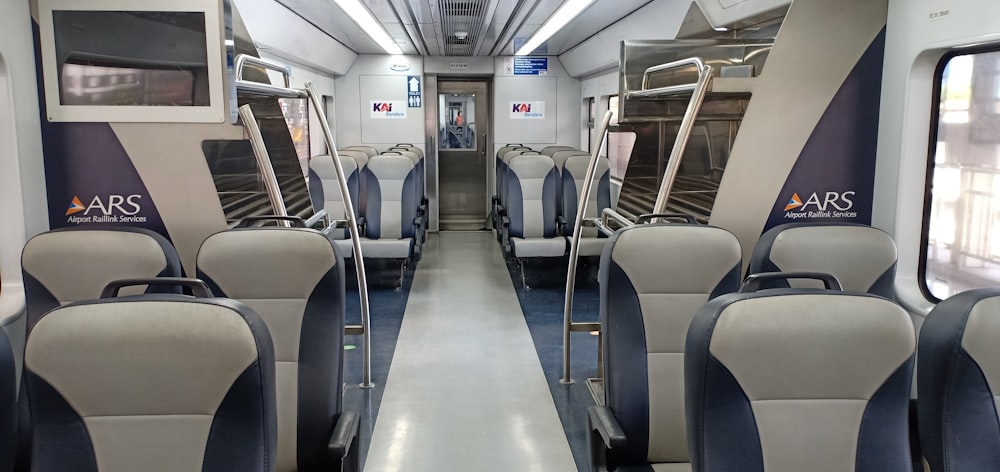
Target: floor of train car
(468, 379)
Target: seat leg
(524, 279)
(402, 274)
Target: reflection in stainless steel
(574, 248)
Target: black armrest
(505, 221)
(603, 421)
(344, 434)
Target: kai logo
(821, 205)
(75, 206)
(112, 209)
(522, 108)
(382, 107)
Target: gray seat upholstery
(531, 220)
(324, 191)
(391, 216)
(152, 383)
(551, 150)
(653, 279)
(504, 173)
(573, 177)
(57, 269)
(799, 380)
(361, 158)
(8, 404)
(559, 158)
(958, 383)
(861, 257)
(368, 150)
(294, 279)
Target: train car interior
(499, 235)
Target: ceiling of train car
(462, 27)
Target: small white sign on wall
(527, 110)
(387, 109)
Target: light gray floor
(466, 391)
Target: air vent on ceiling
(462, 25)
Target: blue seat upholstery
(799, 380)
(958, 383)
(151, 382)
(573, 176)
(8, 404)
(294, 279)
(324, 191)
(391, 216)
(418, 188)
(653, 279)
(504, 172)
(72, 264)
(361, 159)
(532, 229)
(861, 257)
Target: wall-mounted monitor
(148, 61)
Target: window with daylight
(962, 214)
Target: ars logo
(382, 107)
(522, 108)
(839, 201)
(125, 205)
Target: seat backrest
(653, 280)
(550, 150)
(417, 168)
(324, 189)
(799, 379)
(861, 257)
(72, 264)
(573, 177)
(958, 383)
(368, 150)
(154, 383)
(411, 147)
(531, 196)
(559, 158)
(8, 404)
(294, 279)
(391, 191)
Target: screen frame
(215, 112)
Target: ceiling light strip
(566, 12)
(364, 19)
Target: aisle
(466, 391)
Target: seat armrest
(345, 433)
(603, 421)
(604, 436)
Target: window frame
(932, 149)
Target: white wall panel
(372, 78)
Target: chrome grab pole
(574, 249)
(263, 161)
(683, 135)
(352, 222)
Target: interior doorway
(463, 127)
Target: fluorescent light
(566, 12)
(360, 14)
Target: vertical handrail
(574, 248)
(352, 222)
(683, 135)
(263, 161)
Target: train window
(296, 111)
(962, 214)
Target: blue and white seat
(653, 279)
(551, 150)
(72, 264)
(151, 382)
(958, 383)
(574, 175)
(294, 279)
(799, 379)
(392, 223)
(861, 257)
(8, 404)
(324, 191)
(531, 221)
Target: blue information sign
(531, 66)
(413, 91)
